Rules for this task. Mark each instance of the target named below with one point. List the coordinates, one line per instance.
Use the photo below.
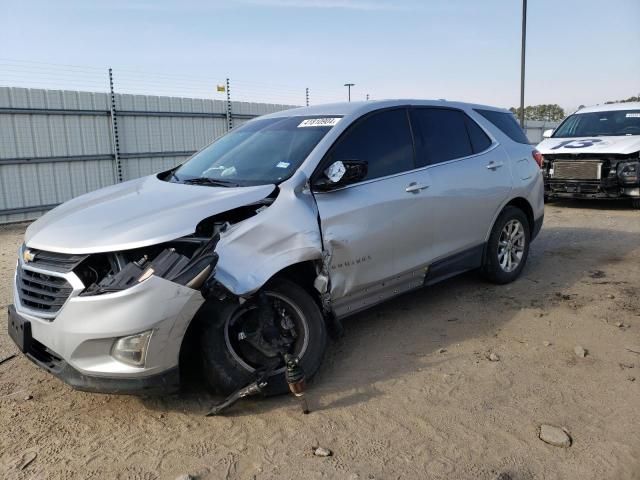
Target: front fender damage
(233, 253)
(284, 234)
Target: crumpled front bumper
(76, 344)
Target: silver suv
(257, 246)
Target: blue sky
(578, 52)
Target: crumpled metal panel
(286, 233)
(31, 136)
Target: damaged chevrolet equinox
(258, 246)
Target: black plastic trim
(537, 226)
(460, 262)
(159, 384)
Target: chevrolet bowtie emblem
(28, 256)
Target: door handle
(494, 165)
(413, 187)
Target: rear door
(470, 178)
(371, 228)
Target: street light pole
(349, 85)
(522, 60)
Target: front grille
(56, 262)
(38, 291)
(577, 170)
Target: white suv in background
(595, 153)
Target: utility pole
(307, 95)
(349, 85)
(522, 60)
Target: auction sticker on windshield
(319, 122)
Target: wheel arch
(518, 202)
(524, 205)
(302, 273)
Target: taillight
(537, 156)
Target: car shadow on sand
(405, 334)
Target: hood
(134, 214)
(612, 145)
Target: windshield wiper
(211, 181)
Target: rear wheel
(635, 203)
(508, 247)
(240, 341)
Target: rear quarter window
(479, 140)
(506, 123)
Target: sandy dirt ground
(389, 402)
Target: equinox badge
(28, 256)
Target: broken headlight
(628, 172)
(187, 262)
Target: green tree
(630, 99)
(548, 112)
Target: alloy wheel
(511, 245)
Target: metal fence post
(229, 114)
(114, 130)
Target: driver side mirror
(547, 133)
(341, 173)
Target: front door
(369, 227)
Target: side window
(507, 123)
(479, 140)
(441, 135)
(383, 140)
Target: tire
(224, 368)
(495, 258)
(635, 203)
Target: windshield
(259, 152)
(611, 123)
